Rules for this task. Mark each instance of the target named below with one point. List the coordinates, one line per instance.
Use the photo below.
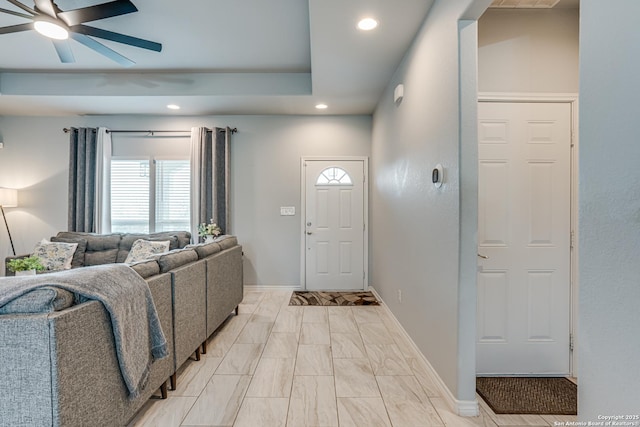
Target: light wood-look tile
(375, 333)
(423, 377)
(270, 412)
(221, 341)
(362, 411)
(313, 402)
(451, 419)
(512, 420)
(386, 359)
(220, 401)
(195, 376)
(354, 378)
(240, 359)
(304, 377)
(272, 378)
(163, 413)
(315, 315)
(344, 324)
(407, 402)
(289, 320)
(314, 360)
(315, 333)
(255, 333)
(347, 346)
(366, 315)
(282, 345)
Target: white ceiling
(218, 57)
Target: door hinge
(364, 275)
(570, 342)
(572, 239)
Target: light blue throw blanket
(126, 296)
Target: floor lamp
(8, 199)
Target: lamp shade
(8, 197)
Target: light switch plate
(287, 210)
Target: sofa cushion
(227, 241)
(146, 268)
(41, 300)
(145, 249)
(175, 259)
(78, 256)
(55, 255)
(101, 248)
(205, 249)
(126, 243)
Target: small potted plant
(209, 231)
(25, 266)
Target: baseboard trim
(464, 408)
(272, 287)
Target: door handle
(483, 256)
(309, 232)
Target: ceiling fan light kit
(58, 25)
(50, 28)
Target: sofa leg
(204, 347)
(174, 381)
(163, 390)
(236, 310)
(198, 354)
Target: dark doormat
(332, 298)
(522, 395)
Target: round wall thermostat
(437, 175)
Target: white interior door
(334, 224)
(524, 228)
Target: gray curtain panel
(82, 179)
(214, 178)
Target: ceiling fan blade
(64, 51)
(46, 6)
(14, 13)
(16, 28)
(99, 11)
(102, 49)
(23, 7)
(117, 37)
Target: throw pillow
(78, 256)
(144, 249)
(55, 255)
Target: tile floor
(275, 365)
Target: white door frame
(303, 214)
(572, 99)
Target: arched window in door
(334, 176)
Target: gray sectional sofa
(59, 366)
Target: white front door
(524, 196)
(334, 224)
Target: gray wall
(528, 51)
(609, 313)
(416, 227)
(266, 175)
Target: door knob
(483, 256)
(309, 232)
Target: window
(334, 176)
(134, 192)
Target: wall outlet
(287, 210)
(399, 295)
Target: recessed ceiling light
(322, 106)
(173, 107)
(50, 29)
(367, 24)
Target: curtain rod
(151, 132)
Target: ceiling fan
(48, 19)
